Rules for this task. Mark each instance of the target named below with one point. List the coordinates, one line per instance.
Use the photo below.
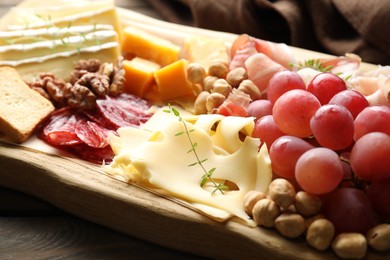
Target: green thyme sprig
(207, 176)
(312, 63)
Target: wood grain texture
(82, 191)
(93, 196)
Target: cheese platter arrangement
(207, 142)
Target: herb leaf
(207, 176)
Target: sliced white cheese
(160, 156)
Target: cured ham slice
(235, 105)
(278, 52)
(242, 48)
(260, 69)
(245, 46)
(374, 85)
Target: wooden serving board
(84, 191)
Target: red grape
(282, 82)
(293, 110)
(350, 99)
(370, 156)
(284, 153)
(319, 170)
(372, 119)
(259, 108)
(333, 127)
(349, 209)
(266, 129)
(378, 193)
(325, 85)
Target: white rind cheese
(38, 36)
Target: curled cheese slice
(155, 154)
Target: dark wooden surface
(33, 229)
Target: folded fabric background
(332, 26)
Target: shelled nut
(282, 192)
(195, 73)
(200, 103)
(320, 234)
(378, 237)
(213, 101)
(350, 245)
(290, 225)
(307, 204)
(250, 199)
(221, 86)
(236, 76)
(265, 212)
(208, 82)
(248, 87)
(218, 69)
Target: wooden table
(33, 229)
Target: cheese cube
(139, 75)
(147, 46)
(172, 81)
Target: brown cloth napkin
(332, 26)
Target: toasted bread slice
(21, 108)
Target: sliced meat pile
(84, 133)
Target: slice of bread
(21, 108)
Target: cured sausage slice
(124, 110)
(60, 128)
(92, 133)
(84, 133)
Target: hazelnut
(221, 86)
(250, 200)
(311, 219)
(350, 245)
(213, 101)
(208, 82)
(236, 76)
(290, 225)
(378, 237)
(282, 192)
(248, 87)
(200, 103)
(195, 73)
(218, 69)
(320, 234)
(265, 212)
(307, 204)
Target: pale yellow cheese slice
(156, 155)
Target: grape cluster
(329, 141)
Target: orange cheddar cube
(153, 95)
(147, 46)
(172, 81)
(139, 75)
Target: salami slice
(84, 133)
(124, 110)
(92, 133)
(90, 154)
(60, 128)
(95, 116)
